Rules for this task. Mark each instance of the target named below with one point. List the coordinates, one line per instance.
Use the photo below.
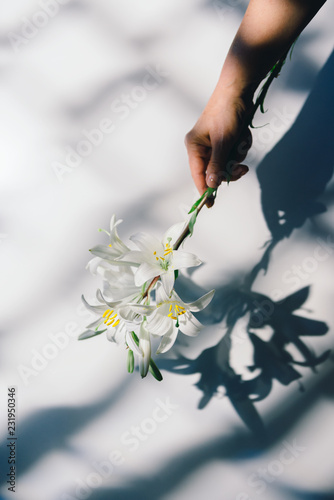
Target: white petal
(94, 324)
(119, 293)
(159, 324)
(167, 280)
(88, 334)
(93, 264)
(201, 303)
(183, 259)
(116, 243)
(145, 345)
(96, 309)
(101, 299)
(113, 222)
(136, 256)
(168, 340)
(111, 334)
(146, 272)
(173, 232)
(124, 312)
(132, 344)
(104, 252)
(161, 295)
(147, 243)
(120, 332)
(189, 325)
(141, 308)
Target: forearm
(266, 33)
(219, 141)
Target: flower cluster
(138, 300)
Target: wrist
(236, 82)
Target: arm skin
(219, 141)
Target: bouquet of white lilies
(138, 300)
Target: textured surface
(86, 429)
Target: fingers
(213, 161)
(197, 169)
(218, 168)
(224, 164)
(198, 156)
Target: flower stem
(150, 286)
(186, 230)
(179, 241)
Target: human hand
(219, 141)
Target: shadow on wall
(292, 176)
(296, 171)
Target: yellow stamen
(170, 307)
(110, 245)
(116, 323)
(110, 322)
(113, 316)
(170, 315)
(106, 312)
(154, 253)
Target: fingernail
(212, 180)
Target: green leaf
(273, 73)
(209, 192)
(195, 205)
(154, 370)
(88, 334)
(131, 361)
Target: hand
(219, 141)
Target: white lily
(116, 247)
(157, 258)
(115, 318)
(170, 315)
(118, 278)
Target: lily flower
(118, 278)
(171, 314)
(116, 247)
(114, 318)
(157, 258)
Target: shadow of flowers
(271, 359)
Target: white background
(73, 409)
